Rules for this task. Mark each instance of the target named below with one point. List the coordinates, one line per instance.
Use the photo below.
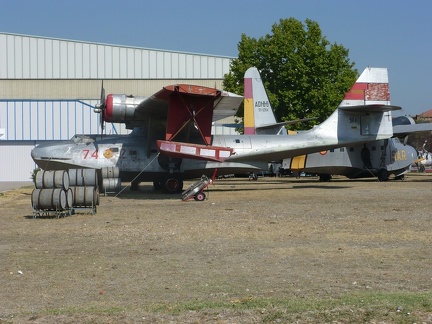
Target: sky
(378, 33)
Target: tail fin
(371, 88)
(258, 113)
(365, 107)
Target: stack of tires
(85, 189)
(110, 182)
(52, 193)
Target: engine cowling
(120, 108)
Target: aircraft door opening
(370, 124)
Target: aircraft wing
(290, 122)
(194, 98)
(402, 130)
(178, 106)
(273, 125)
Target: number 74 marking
(87, 154)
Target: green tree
(305, 76)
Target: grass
(396, 307)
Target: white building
(49, 87)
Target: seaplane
(382, 158)
(171, 138)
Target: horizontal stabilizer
(370, 108)
(290, 122)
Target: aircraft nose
(43, 150)
(35, 153)
(412, 152)
(38, 150)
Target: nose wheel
(383, 175)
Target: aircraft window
(351, 149)
(237, 140)
(132, 152)
(373, 148)
(114, 149)
(342, 149)
(332, 150)
(82, 139)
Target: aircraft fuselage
(357, 161)
(133, 157)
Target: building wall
(16, 162)
(89, 89)
(48, 88)
(51, 120)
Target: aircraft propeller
(100, 108)
(405, 142)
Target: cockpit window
(84, 139)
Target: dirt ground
(278, 250)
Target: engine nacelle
(120, 108)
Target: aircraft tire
(172, 185)
(325, 177)
(157, 185)
(383, 175)
(135, 185)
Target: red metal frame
(188, 103)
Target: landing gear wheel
(324, 177)
(157, 185)
(172, 185)
(135, 185)
(383, 175)
(200, 196)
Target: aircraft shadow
(148, 192)
(144, 192)
(237, 189)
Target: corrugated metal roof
(116, 45)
